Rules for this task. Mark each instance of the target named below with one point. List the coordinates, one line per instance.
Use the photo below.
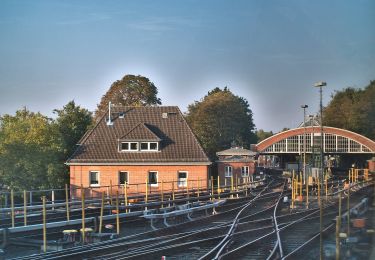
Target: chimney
(109, 122)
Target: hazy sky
(270, 52)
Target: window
(228, 171)
(123, 177)
(245, 171)
(153, 146)
(182, 179)
(153, 178)
(124, 146)
(129, 146)
(134, 146)
(144, 146)
(94, 178)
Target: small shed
(237, 163)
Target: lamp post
(304, 140)
(312, 140)
(320, 85)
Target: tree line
(34, 148)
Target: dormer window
(149, 146)
(129, 146)
(139, 146)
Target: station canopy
(307, 137)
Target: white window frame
(228, 171)
(148, 147)
(95, 184)
(129, 147)
(182, 183)
(127, 177)
(246, 172)
(157, 179)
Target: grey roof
(236, 151)
(164, 123)
(236, 158)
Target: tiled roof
(164, 123)
(236, 158)
(140, 133)
(236, 151)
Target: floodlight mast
(320, 85)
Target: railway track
(204, 229)
(292, 233)
(255, 227)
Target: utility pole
(320, 85)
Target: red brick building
(371, 164)
(236, 162)
(133, 145)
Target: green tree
(352, 109)
(30, 152)
(129, 91)
(220, 119)
(261, 134)
(72, 122)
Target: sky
(269, 52)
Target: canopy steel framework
(336, 141)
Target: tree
(30, 152)
(261, 135)
(129, 91)
(352, 109)
(221, 119)
(72, 123)
(34, 148)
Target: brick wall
(371, 165)
(236, 170)
(79, 175)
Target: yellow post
(24, 208)
(231, 186)
(212, 188)
(218, 187)
(366, 174)
(110, 193)
(173, 191)
(198, 191)
(348, 211)
(146, 195)
(117, 215)
(293, 192)
(101, 214)
(44, 225)
(83, 215)
(126, 195)
(67, 202)
(12, 206)
(162, 194)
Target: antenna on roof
(109, 122)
